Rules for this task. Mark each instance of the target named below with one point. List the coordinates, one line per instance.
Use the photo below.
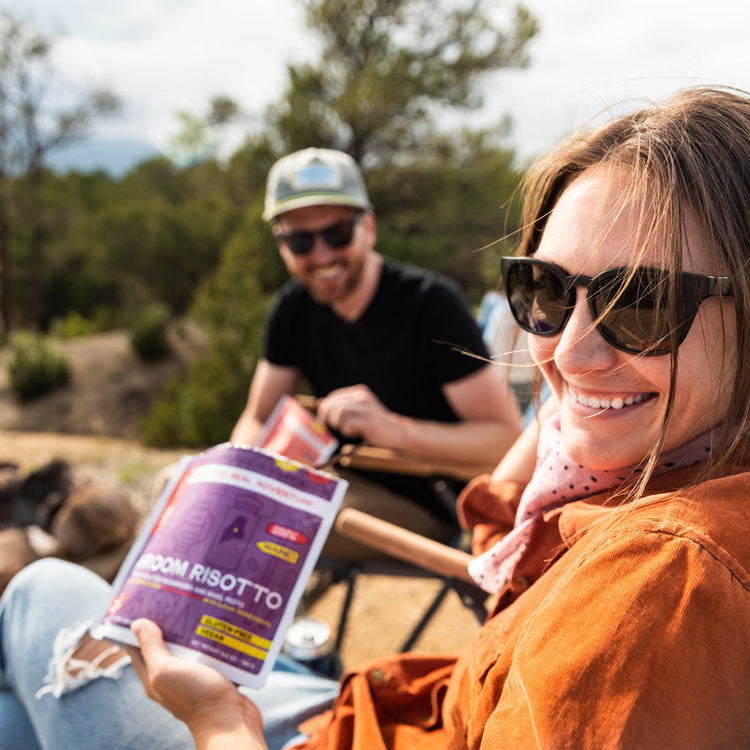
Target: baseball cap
(314, 177)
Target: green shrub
(148, 335)
(34, 367)
(200, 407)
(72, 326)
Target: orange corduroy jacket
(625, 626)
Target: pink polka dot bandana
(558, 480)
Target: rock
(42, 494)
(15, 554)
(43, 543)
(93, 519)
(10, 491)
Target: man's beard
(329, 295)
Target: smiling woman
(620, 556)
(650, 350)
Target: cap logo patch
(316, 176)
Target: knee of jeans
(44, 571)
(22, 579)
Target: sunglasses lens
(339, 235)
(537, 298)
(336, 236)
(634, 314)
(634, 311)
(300, 243)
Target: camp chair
(416, 556)
(410, 554)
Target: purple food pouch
(224, 557)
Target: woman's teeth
(606, 403)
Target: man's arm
(269, 384)
(490, 416)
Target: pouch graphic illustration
(181, 536)
(234, 531)
(235, 528)
(191, 521)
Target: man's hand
(216, 713)
(488, 420)
(356, 412)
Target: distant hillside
(110, 388)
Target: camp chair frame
(424, 556)
(413, 555)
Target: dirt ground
(92, 424)
(109, 388)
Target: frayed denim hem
(59, 679)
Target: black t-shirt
(407, 344)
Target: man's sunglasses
(631, 308)
(336, 236)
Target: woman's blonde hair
(692, 152)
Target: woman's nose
(581, 346)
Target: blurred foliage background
(182, 237)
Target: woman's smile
(609, 401)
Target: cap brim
(319, 199)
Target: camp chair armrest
(404, 545)
(373, 458)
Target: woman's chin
(602, 453)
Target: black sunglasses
(631, 308)
(336, 235)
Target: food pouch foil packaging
(224, 558)
(293, 431)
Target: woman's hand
(216, 713)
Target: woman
(621, 562)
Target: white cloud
(162, 55)
(595, 55)
(589, 55)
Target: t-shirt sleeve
(455, 345)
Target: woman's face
(586, 235)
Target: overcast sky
(163, 55)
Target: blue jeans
(112, 713)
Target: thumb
(150, 639)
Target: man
(377, 341)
